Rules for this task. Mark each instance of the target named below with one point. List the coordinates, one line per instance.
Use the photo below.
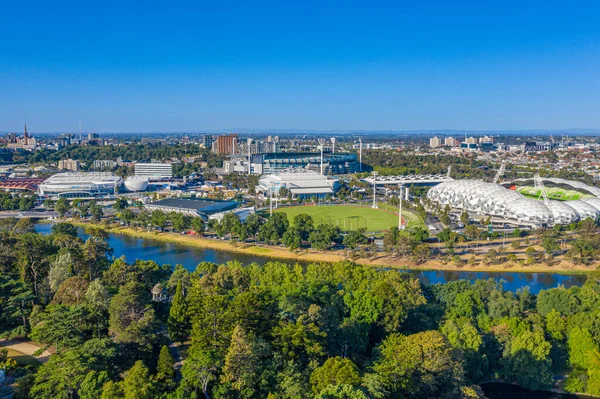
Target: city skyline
(317, 67)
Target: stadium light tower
(400, 206)
(333, 145)
(321, 145)
(249, 167)
(374, 206)
(360, 154)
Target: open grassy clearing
(352, 217)
(22, 358)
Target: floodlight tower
(333, 145)
(400, 206)
(321, 145)
(360, 154)
(374, 206)
(249, 166)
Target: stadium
(495, 200)
(302, 183)
(80, 185)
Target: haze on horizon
(195, 66)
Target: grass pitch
(555, 193)
(352, 217)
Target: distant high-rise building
(435, 142)
(450, 142)
(226, 144)
(470, 140)
(156, 170)
(207, 141)
(69, 164)
(486, 139)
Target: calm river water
(161, 252)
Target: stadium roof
(496, 200)
(205, 206)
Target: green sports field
(555, 193)
(350, 217)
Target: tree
(64, 228)
(419, 365)
(158, 219)
(241, 362)
(60, 377)
(164, 368)
(341, 391)
(61, 207)
(581, 346)
(71, 291)
(464, 218)
(198, 225)
(421, 253)
(274, 227)
(121, 203)
(354, 238)
(334, 371)
(136, 382)
(60, 270)
(178, 322)
(91, 386)
(292, 238)
(200, 369)
(131, 315)
(127, 216)
(304, 225)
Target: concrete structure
(204, 208)
(154, 170)
(26, 143)
(136, 183)
(20, 185)
(104, 164)
(495, 200)
(435, 142)
(278, 162)
(451, 142)
(408, 180)
(80, 185)
(207, 141)
(301, 183)
(69, 164)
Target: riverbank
(277, 252)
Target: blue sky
(198, 66)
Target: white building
(301, 183)
(450, 142)
(80, 185)
(154, 170)
(435, 142)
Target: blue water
(162, 252)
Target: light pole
(360, 154)
(271, 198)
(321, 145)
(400, 207)
(249, 155)
(374, 206)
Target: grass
(555, 193)
(352, 217)
(22, 358)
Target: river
(162, 252)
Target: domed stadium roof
(495, 200)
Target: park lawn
(349, 217)
(22, 358)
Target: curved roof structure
(556, 181)
(495, 200)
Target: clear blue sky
(206, 65)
